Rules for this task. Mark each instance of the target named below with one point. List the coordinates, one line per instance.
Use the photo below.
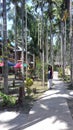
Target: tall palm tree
(15, 31)
(71, 41)
(21, 89)
(40, 4)
(53, 14)
(5, 48)
(64, 16)
(51, 8)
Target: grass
(28, 99)
(40, 89)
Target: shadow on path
(50, 111)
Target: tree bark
(43, 44)
(22, 89)
(63, 46)
(47, 44)
(5, 58)
(71, 41)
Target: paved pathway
(51, 112)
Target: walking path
(50, 112)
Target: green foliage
(31, 73)
(29, 91)
(56, 68)
(7, 100)
(29, 82)
(67, 78)
(39, 69)
(60, 72)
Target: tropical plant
(28, 84)
(7, 100)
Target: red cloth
(18, 65)
(1, 64)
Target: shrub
(39, 70)
(60, 72)
(7, 100)
(67, 78)
(56, 67)
(29, 82)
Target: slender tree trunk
(71, 41)
(63, 46)
(21, 89)
(39, 37)
(34, 61)
(5, 48)
(15, 39)
(51, 45)
(26, 40)
(43, 44)
(51, 36)
(15, 32)
(61, 52)
(47, 44)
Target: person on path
(50, 76)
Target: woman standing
(50, 76)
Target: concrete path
(50, 112)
